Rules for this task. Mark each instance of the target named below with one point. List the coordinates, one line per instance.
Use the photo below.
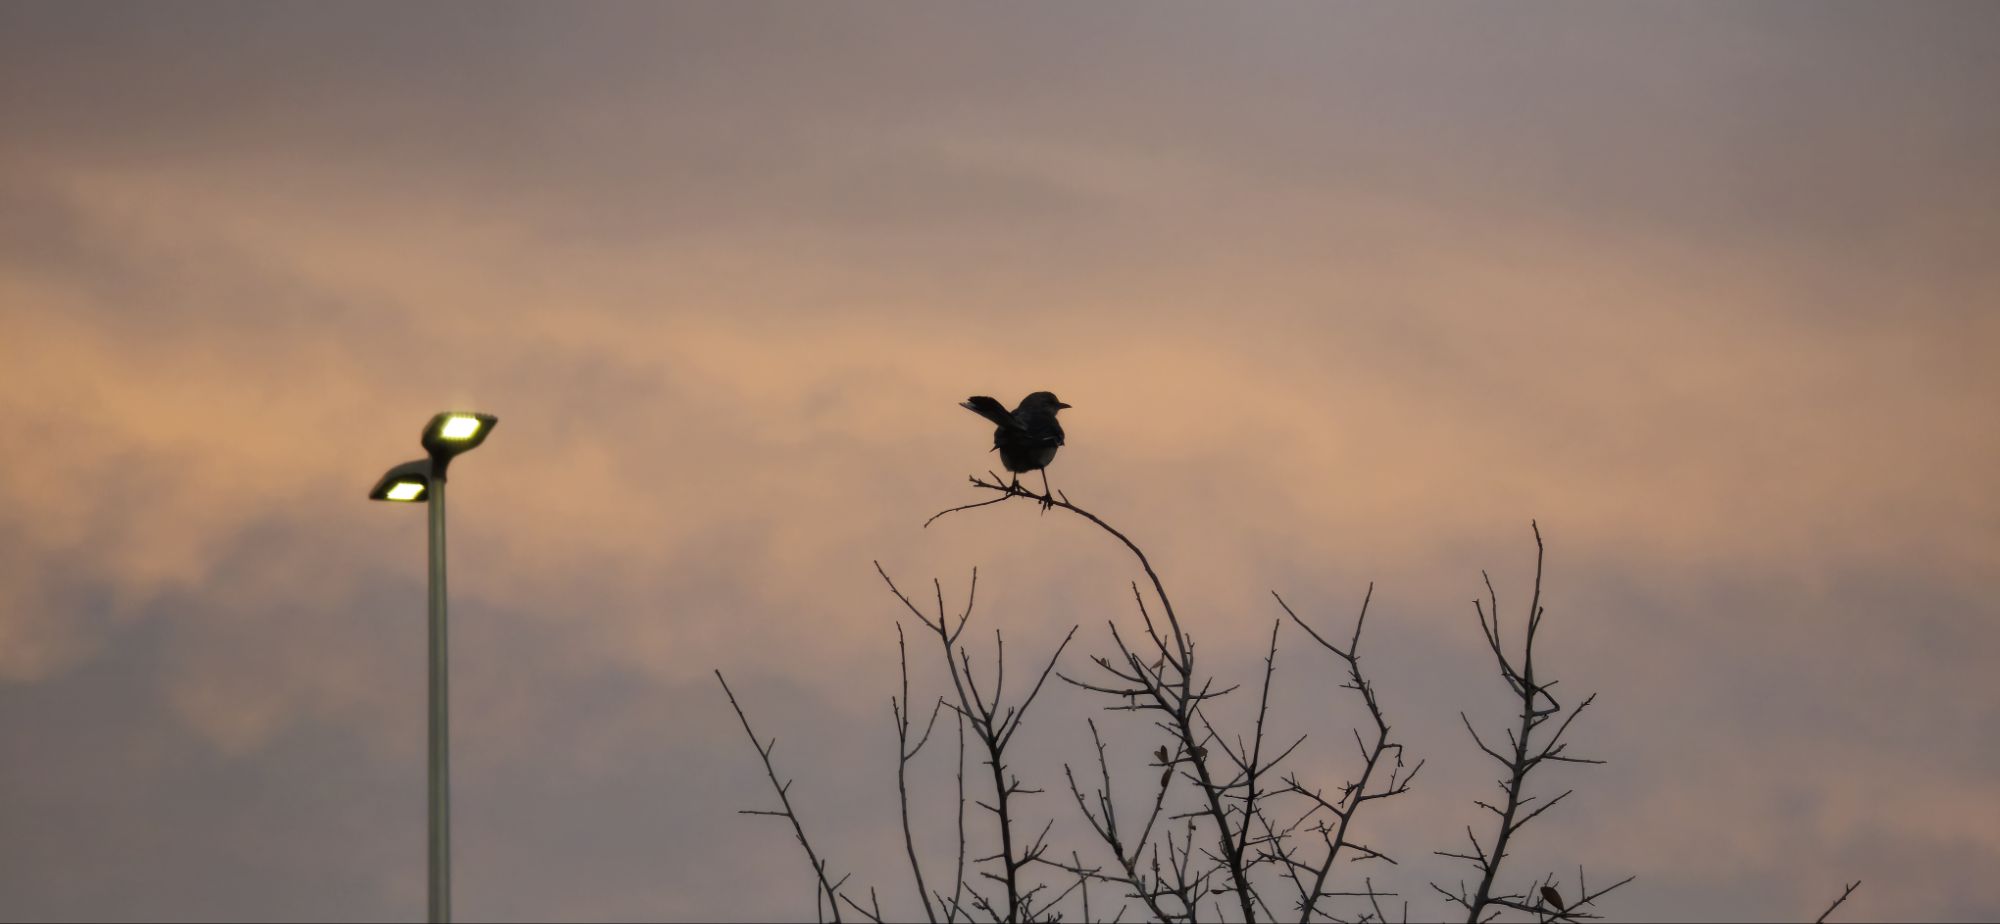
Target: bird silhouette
(1026, 437)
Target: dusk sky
(1339, 293)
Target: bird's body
(1028, 436)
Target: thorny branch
(1837, 902)
(994, 723)
(1167, 685)
(829, 890)
(1354, 794)
(1104, 821)
(905, 752)
(1538, 705)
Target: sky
(1340, 294)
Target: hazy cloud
(1339, 294)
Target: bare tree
(1252, 829)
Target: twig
(899, 711)
(830, 890)
(1837, 902)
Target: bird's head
(1043, 400)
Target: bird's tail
(991, 410)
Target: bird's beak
(1060, 405)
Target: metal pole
(440, 731)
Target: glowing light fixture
(459, 427)
(445, 437)
(410, 481)
(454, 432)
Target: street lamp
(446, 436)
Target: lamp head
(409, 482)
(454, 432)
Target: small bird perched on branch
(1026, 438)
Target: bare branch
(1837, 902)
(784, 798)
(1522, 756)
(904, 753)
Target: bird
(1553, 897)
(1027, 437)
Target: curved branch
(1061, 501)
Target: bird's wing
(991, 410)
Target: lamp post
(446, 436)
